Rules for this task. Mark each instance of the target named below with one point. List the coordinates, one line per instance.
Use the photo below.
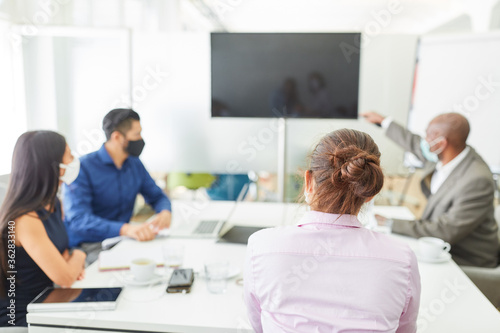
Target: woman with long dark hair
(34, 243)
(328, 273)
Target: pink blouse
(329, 274)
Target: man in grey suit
(459, 187)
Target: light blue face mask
(431, 156)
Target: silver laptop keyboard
(206, 227)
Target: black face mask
(135, 148)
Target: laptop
(200, 229)
(207, 228)
(239, 234)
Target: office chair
(191, 181)
(227, 186)
(487, 279)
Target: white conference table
(450, 302)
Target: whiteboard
(460, 73)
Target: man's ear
(445, 142)
(116, 137)
(442, 144)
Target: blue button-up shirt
(101, 199)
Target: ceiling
(391, 16)
(368, 16)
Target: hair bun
(353, 168)
(357, 167)
(345, 166)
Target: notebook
(120, 259)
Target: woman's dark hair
(33, 183)
(345, 167)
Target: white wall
(175, 110)
(181, 135)
(175, 113)
(460, 73)
(39, 71)
(11, 109)
(73, 80)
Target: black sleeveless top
(30, 279)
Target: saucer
(444, 257)
(130, 280)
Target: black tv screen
(292, 75)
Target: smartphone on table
(181, 281)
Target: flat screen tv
(291, 75)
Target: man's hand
(162, 220)
(143, 232)
(373, 117)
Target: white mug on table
(432, 247)
(142, 269)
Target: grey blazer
(461, 212)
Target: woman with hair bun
(329, 273)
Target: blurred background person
(459, 187)
(286, 99)
(100, 203)
(321, 104)
(34, 242)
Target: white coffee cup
(432, 247)
(142, 269)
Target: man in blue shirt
(99, 203)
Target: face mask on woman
(306, 195)
(72, 171)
